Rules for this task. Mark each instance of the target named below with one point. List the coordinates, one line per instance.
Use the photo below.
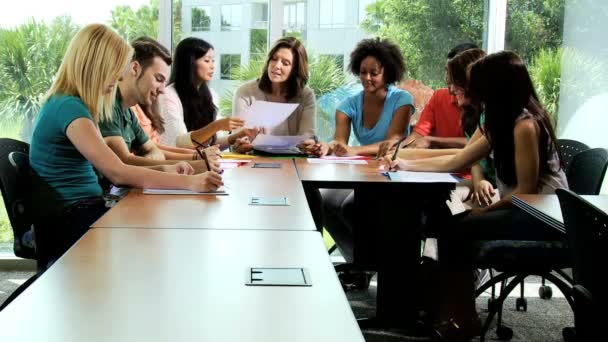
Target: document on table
(267, 114)
(278, 140)
(336, 161)
(423, 177)
(219, 192)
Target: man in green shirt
(142, 83)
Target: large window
(227, 64)
(33, 38)
(332, 13)
(201, 18)
(293, 16)
(231, 17)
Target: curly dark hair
(386, 52)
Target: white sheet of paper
(423, 177)
(278, 140)
(332, 157)
(220, 191)
(267, 114)
(337, 161)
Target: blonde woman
(66, 142)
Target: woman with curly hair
(379, 112)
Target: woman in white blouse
(189, 107)
(283, 80)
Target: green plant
(29, 58)
(545, 71)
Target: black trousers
(56, 234)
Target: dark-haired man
(141, 84)
(439, 125)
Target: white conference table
(182, 285)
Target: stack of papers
(277, 140)
(219, 191)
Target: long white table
(182, 285)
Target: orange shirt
(146, 124)
(440, 117)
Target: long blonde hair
(96, 57)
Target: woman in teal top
(66, 144)
(379, 112)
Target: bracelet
(194, 156)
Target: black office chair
(587, 235)
(15, 186)
(568, 150)
(519, 259)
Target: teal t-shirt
(353, 108)
(64, 175)
(124, 124)
(487, 164)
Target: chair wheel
(569, 334)
(521, 304)
(545, 292)
(504, 333)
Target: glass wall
(561, 40)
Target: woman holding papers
(189, 106)
(377, 113)
(283, 81)
(519, 133)
(66, 142)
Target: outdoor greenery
(425, 30)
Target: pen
(399, 145)
(202, 154)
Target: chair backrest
(568, 149)
(16, 192)
(586, 171)
(587, 234)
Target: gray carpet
(542, 322)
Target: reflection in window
(201, 19)
(363, 8)
(227, 64)
(259, 15)
(331, 13)
(293, 16)
(231, 17)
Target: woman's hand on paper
(342, 150)
(205, 182)
(243, 145)
(230, 124)
(386, 148)
(388, 164)
(314, 148)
